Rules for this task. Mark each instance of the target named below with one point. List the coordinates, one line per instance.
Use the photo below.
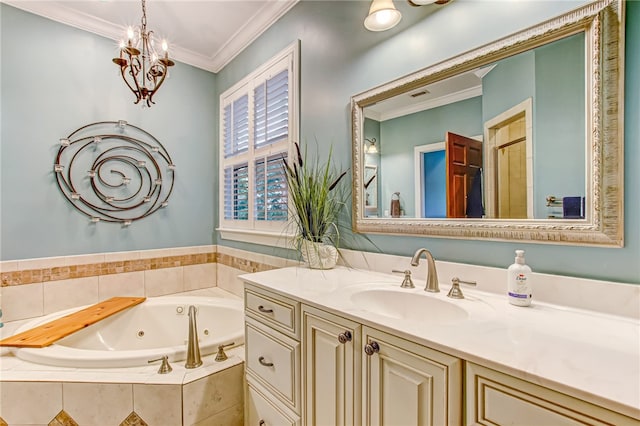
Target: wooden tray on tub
(46, 334)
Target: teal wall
(339, 58)
(559, 94)
(65, 81)
(55, 79)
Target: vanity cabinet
(404, 383)
(307, 366)
(495, 398)
(272, 359)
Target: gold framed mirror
(529, 128)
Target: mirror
(518, 140)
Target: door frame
(490, 150)
(418, 167)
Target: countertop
(590, 355)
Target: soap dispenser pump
(519, 281)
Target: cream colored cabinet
(305, 366)
(495, 398)
(330, 369)
(406, 384)
(272, 359)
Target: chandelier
(142, 69)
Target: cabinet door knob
(265, 363)
(371, 348)
(344, 337)
(262, 423)
(264, 310)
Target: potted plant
(316, 199)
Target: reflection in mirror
(519, 139)
(473, 143)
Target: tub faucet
(193, 348)
(432, 275)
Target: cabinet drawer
(497, 398)
(277, 311)
(274, 360)
(261, 411)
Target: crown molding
(270, 12)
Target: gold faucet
(432, 275)
(193, 348)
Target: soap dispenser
(519, 281)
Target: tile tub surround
(211, 394)
(35, 287)
(590, 355)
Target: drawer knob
(262, 423)
(344, 337)
(265, 363)
(371, 348)
(264, 310)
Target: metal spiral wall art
(112, 171)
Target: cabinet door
(495, 398)
(331, 369)
(406, 384)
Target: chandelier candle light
(142, 69)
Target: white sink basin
(409, 305)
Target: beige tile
(8, 266)
(98, 404)
(30, 402)
(158, 405)
(85, 259)
(158, 282)
(233, 416)
(228, 279)
(148, 254)
(121, 256)
(65, 294)
(22, 301)
(199, 276)
(125, 284)
(42, 262)
(212, 395)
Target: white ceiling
(203, 33)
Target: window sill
(265, 238)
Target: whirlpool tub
(157, 327)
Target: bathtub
(158, 326)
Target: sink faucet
(193, 348)
(432, 275)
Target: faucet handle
(221, 356)
(407, 282)
(455, 292)
(165, 367)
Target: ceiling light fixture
(426, 2)
(142, 69)
(382, 16)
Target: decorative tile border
(244, 265)
(41, 275)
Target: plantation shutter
(236, 127)
(236, 192)
(258, 119)
(270, 189)
(271, 110)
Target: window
(258, 125)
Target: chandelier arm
(135, 92)
(157, 86)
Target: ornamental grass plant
(316, 196)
